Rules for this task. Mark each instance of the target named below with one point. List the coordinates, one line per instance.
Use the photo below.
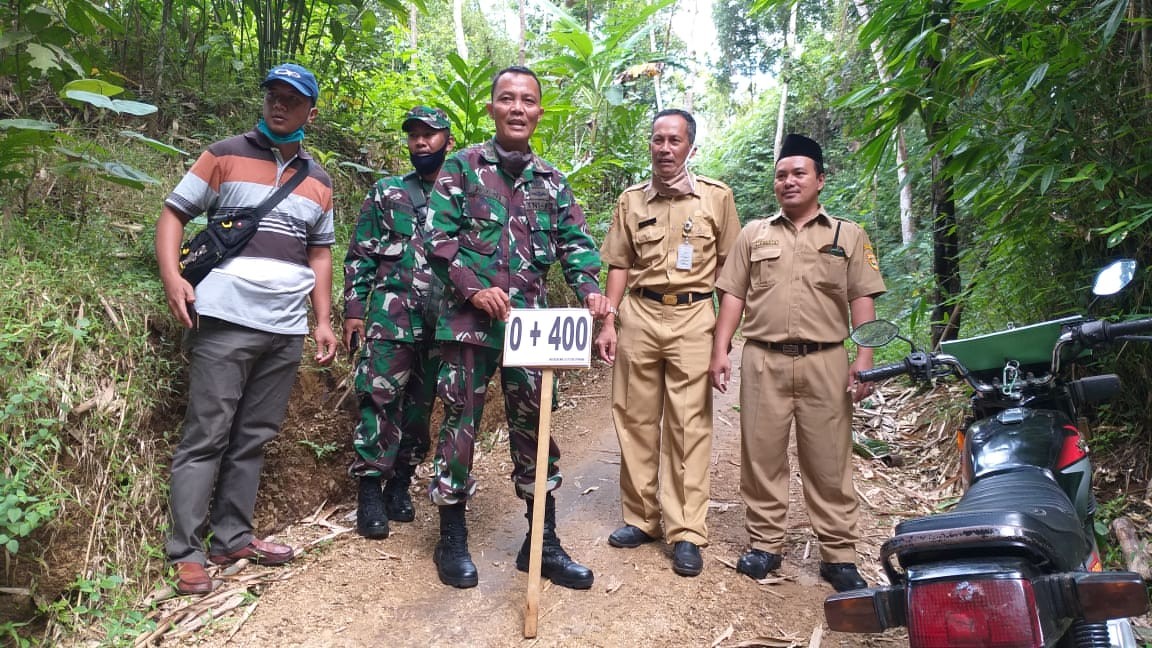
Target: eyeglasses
(288, 100)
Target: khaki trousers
(662, 408)
(776, 389)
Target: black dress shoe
(842, 576)
(758, 563)
(629, 537)
(686, 559)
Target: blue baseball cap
(296, 76)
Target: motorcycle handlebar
(1134, 327)
(882, 372)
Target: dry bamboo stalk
(243, 618)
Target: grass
(91, 367)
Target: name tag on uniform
(684, 256)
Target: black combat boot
(397, 499)
(555, 563)
(371, 520)
(453, 562)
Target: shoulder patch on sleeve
(870, 255)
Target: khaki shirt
(648, 230)
(793, 291)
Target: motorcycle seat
(1023, 509)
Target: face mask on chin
(295, 136)
(680, 184)
(428, 163)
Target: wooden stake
(532, 600)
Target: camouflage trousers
(465, 370)
(396, 384)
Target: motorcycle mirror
(876, 333)
(1114, 277)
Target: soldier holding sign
(501, 216)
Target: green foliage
(321, 450)
(26, 143)
(87, 366)
(599, 104)
(100, 601)
(29, 445)
(744, 160)
(467, 94)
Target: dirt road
(357, 592)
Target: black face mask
(428, 163)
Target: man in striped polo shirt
(247, 321)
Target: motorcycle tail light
(993, 613)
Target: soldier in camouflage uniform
(501, 216)
(390, 296)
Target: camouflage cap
(433, 117)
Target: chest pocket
(480, 229)
(542, 223)
(396, 229)
(702, 235)
(765, 265)
(832, 274)
(703, 241)
(650, 248)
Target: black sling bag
(226, 234)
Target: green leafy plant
(321, 450)
(26, 497)
(467, 96)
(101, 600)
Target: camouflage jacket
(386, 276)
(489, 229)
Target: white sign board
(548, 337)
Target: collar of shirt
(822, 217)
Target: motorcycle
(1015, 562)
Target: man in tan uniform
(666, 244)
(800, 278)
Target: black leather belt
(674, 300)
(798, 348)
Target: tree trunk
(458, 21)
(412, 29)
(907, 223)
(522, 43)
(162, 41)
(945, 230)
(786, 69)
(945, 247)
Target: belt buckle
(669, 300)
(791, 348)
